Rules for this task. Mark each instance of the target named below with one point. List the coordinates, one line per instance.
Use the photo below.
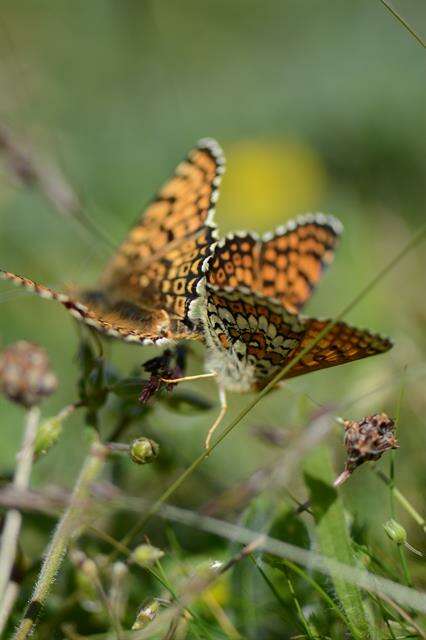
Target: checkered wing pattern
(251, 338)
(146, 292)
(344, 343)
(286, 264)
(123, 320)
(162, 260)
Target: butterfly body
(247, 338)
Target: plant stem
(404, 23)
(300, 614)
(403, 501)
(8, 602)
(70, 522)
(401, 551)
(404, 566)
(12, 526)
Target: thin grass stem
(404, 23)
(12, 526)
(403, 501)
(67, 526)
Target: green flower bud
(47, 435)
(143, 450)
(145, 555)
(395, 531)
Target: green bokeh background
(318, 105)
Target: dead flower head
(367, 440)
(25, 374)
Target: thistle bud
(25, 374)
(395, 531)
(144, 450)
(146, 555)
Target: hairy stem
(12, 526)
(70, 522)
(403, 501)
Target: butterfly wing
(250, 338)
(286, 264)
(147, 290)
(125, 321)
(343, 343)
(164, 256)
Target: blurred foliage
(318, 106)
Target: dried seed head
(144, 450)
(367, 440)
(25, 374)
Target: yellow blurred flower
(268, 182)
(220, 591)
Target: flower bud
(25, 374)
(144, 450)
(146, 615)
(395, 531)
(47, 435)
(49, 431)
(145, 555)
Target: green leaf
(333, 536)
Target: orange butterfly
(172, 280)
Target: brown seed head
(368, 439)
(25, 374)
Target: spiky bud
(144, 450)
(145, 555)
(25, 374)
(395, 531)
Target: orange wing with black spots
(285, 265)
(251, 338)
(343, 343)
(146, 292)
(120, 319)
(162, 260)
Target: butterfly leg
(216, 423)
(188, 378)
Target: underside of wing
(164, 256)
(251, 338)
(115, 318)
(343, 343)
(285, 265)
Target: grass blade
(333, 536)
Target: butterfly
(146, 292)
(254, 290)
(171, 279)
